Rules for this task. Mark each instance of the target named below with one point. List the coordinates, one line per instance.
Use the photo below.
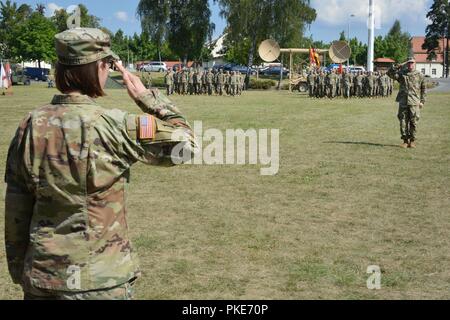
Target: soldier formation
(323, 84)
(204, 82)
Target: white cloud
(51, 8)
(336, 12)
(71, 8)
(122, 16)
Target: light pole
(348, 35)
(371, 42)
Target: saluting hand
(133, 83)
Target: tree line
(182, 30)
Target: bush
(261, 84)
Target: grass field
(346, 197)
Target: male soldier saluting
(67, 169)
(411, 99)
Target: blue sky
(333, 15)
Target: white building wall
(433, 70)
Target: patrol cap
(411, 60)
(80, 46)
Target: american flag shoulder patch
(147, 127)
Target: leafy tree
(11, 17)
(185, 24)
(40, 8)
(395, 45)
(35, 39)
(251, 21)
(439, 28)
(60, 19)
(342, 36)
(359, 52)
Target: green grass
(346, 197)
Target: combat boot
(412, 144)
(405, 144)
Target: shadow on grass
(364, 144)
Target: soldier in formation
(349, 85)
(206, 82)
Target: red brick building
(432, 68)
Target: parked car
(38, 74)
(218, 67)
(154, 67)
(357, 69)
(274, 71)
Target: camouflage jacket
(67, 171)
(413, 87)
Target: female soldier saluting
(67, 167)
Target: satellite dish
(340, 51)
(269, 50)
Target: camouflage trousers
(122, 292)
(311, 90)
(169, 89)
(409, 117)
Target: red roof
(384, 60)
(421, 55)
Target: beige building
(431, 68)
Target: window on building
(423, 70)
(433, 72)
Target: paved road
(444, 86)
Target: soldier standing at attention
(168, 80)
(191, 81)
(320, 85)
(68, 164)
(233, 83)
(331, 82)
(370, 84)
(176, 84)
(360, 81)
(227, 82)
(184, 81)
(209, 82)
(204, 88)
(311, 79)
(347, 82)
(411, 99)
(146, 79)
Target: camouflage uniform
(311, 79)
(176, 83)
(359, 83)
(209, 82)
(220, 80)
(146, 79)
(347, 84)
(190, 77)
(168, 80)
(320, 85)
(67, 168)
(183, 82)
(331, 84)
(411, 97)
